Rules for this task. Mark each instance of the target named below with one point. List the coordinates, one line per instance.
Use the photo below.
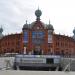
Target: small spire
(49, 21)
(74, 31)
(26, 21)
(1, 29)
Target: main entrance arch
(37, 50)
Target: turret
(50, 28)
(25, 26)
(74, 34)
(1, 30)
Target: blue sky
(14, 13)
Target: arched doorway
(37, 50)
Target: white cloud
(61, 13)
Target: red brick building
(37, 38)
(10, 43)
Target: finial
(1, 29)
(26, 21)
(49, 21)
(38, 7)
(74, 31)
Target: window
(57, 52)
(26, 37)
(34, 34)
(37, 37)
(62, 52)
(57, 43)
(49, 45)
(38, 34)
(49, 38)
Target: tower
(1, 30)
(74, 34)
(25, 36)
(50, 32)
(50, 37)
(37, 36)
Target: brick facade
(37, 37)
(61, 44)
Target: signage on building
(33, 60)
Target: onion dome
(25, 26)
(50, 27)
(38, 13)
(74, 34)
(74, 31)
(37, 24)
(1, 30)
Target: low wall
(13, 72)
(4, 62)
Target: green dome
(38, 13)
(74, 31)
(1, 30)
(25, 26)
(50, 27)
(74, 34)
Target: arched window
(37, 37)
(25, 37)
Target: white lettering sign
(29, 60)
